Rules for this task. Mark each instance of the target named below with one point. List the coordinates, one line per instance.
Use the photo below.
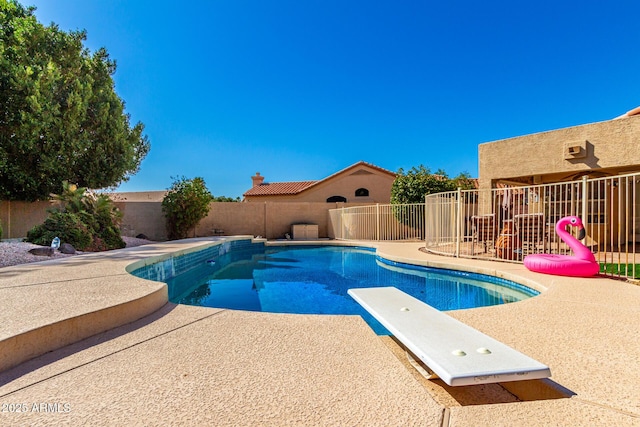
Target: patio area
(148, 362)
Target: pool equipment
(582, 264)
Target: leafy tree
(186, 203)
(413, 186)
(225, 199)
(60, 118)
(463, 181)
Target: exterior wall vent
(575, 150)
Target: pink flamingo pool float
(582, 264)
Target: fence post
(458, 220)
(424, 222)
(377, 221)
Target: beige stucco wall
(268, 219)
(378, 184)
(233, 219)
(19, 217)
(142, 218)
(271, 219)
(345, 184)
(612, 146)
(138, 196)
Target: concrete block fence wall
(17, 218)
(271, 220)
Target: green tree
(414, 185)
(186, 203)
(60, 117)
(225, 199)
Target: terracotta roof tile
(279, 188)
(284, 188)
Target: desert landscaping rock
(42, 251)
(67, 248)
(15, 252)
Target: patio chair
(484, 231)
(530, 229)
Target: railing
(509, 223)
(378, 222)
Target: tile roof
(278, 188)
(363, 163)
(634, 112)
(284, 188)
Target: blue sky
(298, 90)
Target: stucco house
(597, 149)
(359, 183)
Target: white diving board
(457, 353)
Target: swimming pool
(315, 280)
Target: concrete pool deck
(148, 362)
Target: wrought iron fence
(378, 222)
(511, 222)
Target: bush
(111, 238)
(105, 235)
(84, 220)
(186, 203)
(104, 218)
(65, 225)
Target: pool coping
(567, 308)
(55, 303)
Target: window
(335, 199)
(362, 192)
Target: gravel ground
(14, 252)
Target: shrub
(105, 235)
(186, 203)
(104, 218)
(87, 221)
(65, 225)
(111, 238)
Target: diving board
(457, 353)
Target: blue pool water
(315, 280)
